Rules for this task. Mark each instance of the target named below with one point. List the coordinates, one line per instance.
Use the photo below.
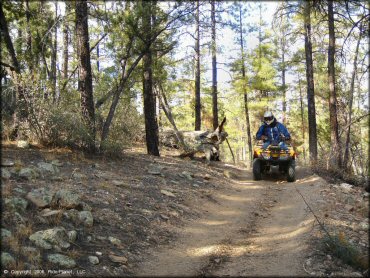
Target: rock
(41, 197)
(23, 144)
(118, 259)
(18, 218)
(102, 238)
(187, 175)
(72, 236)
(79, 176)
(66, 199)
(56, 162)
(47, 239)
(88, 238)
(346, 187)
(72, 214)
(364, 225)
(228, 174)
(114, 241)
(5, 174)
(7, 260)
(7, 163)
(86, 206)
(48, 212)
(86, 218)
(28, 173)
(47, 168)
(5, 233)
(154, 170)
(62, 260)
(195, 185)
(207, 177)
(16, 203)
(99, 253)
(165, 217)
(118, 183)
(167, 193)
(93, 259)
(19, 190)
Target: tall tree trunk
(312, 133)
(283, 71)
(350, 104)
(151, 126)
(244, 86)
(85, 77)
(53, 66)
(214, 67)
(336, 156)
(65, 42)
(197, 72)
(302, 118)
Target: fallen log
(206, 142)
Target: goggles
(267, 119)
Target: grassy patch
(350, 254)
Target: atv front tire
(291, 171)
(256, 169)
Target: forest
(100, 76)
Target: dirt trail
(250, 228)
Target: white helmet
(268, 117)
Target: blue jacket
(273, 131)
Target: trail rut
(249, 228)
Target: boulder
(47, 239)
(66, 199)
(23, 144)
(86, 218)
(61, 260)
(16, 203)
(41, 197)
(28, 173)
(93, 259)
(7, 260)
(168, 193)
(72, 236)
(114, 241)
(5, 233)
(47, 168)
(5, 174)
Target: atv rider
(272, 131)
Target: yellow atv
(273, 159)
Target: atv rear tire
(256, 169)
(291, 171)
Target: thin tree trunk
(312, 133)
(350, 104)
(336, 156)
(214, 67)
(85, 77)
(283, 71)
(197, 72)
(151, 126)
(65, 42)
(53, 66)
(302, 118)
(168, 113)
(244, 86)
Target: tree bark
(197, 72)
(85, 77)
(245, 87)
(65, 42)
(151, 126)
(53, 66)
(350, 104)
(312, 133)
(214, 67)
(302, 118)
(335, 160)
